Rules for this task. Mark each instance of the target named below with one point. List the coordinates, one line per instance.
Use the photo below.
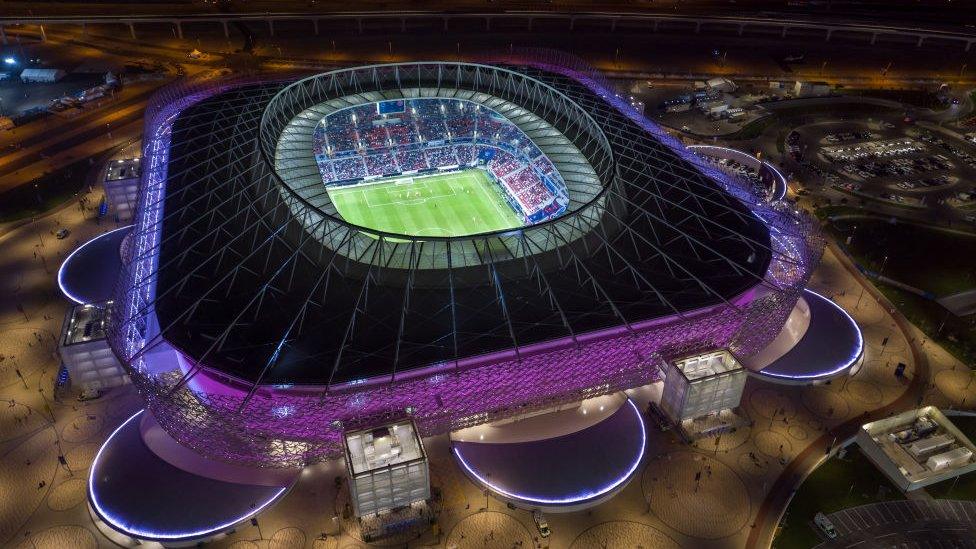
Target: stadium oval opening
(435, 158)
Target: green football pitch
(451, 204)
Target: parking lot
(17, 97)
(907, 523)
(895, 162)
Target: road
(778, 497)
(48, 144)
(894, 10)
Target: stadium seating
(441, 156)
(411, 160)
(349, 168)
(436, 133)
(380, 163)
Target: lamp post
(487, 489)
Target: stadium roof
(255, 282)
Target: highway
(955, 32)
(910, 11)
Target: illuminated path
(778, 498)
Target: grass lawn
(51, 190)
(452, 204)
(949, 262)
(917, 98)
(753, 129)
(936, 261)
(957, 334)
(835, 485)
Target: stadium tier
(429, 135)
(453, 242)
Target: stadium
(445, 244)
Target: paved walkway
(812, 456)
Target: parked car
(62, 233)
(89, 394)
(825, 525)
(541, 524)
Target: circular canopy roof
(830, 347)
(256, 281)
(143, 496)
(90, 272)
(571, 470)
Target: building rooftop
(707, 365)
(86, 323)
(456, 299)
(380, 447)
(918, 447)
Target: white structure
(917, 448)
(721, 84)
(121, 185)
(810, 89)
(703, 384)
(84, 350)
(46, 76)
(387, 468)
(717, 110)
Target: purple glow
(293, 426)
(119, 524)
(575, 498)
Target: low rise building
(84, 349)
(387, 468)
(917, 448)
(811, 89)
(703, 384)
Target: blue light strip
(855, 356)
(61, 285)
(119, 524)
(569, 499)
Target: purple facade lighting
(222, 417)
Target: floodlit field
(451, 204)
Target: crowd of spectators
(428, 134)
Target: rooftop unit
(917, 448)
(84, 350)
